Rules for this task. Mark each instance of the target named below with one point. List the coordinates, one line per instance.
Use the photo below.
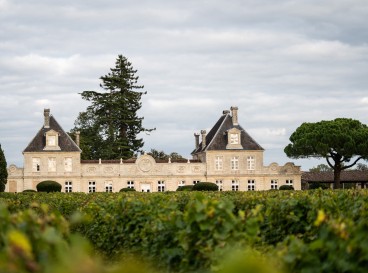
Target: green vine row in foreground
(273, 231)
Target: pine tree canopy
(3, 170)
(110, 125)
(342, 142)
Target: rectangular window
(36, 163)
(160, 186)
(91, 186)
(130, 184)
(195, 182)
(68, 164)
(218, 163)
(251, 185)
(235, 163)
(219, 184)
(51, 164)
(274, 184)
(289, 182)
(235, 185)
(108, 186)
(68, 186)
(181, 183)
(251, 163)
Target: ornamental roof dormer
(51, 137)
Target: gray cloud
(281, 62)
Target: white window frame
(235, 185)
(251, 163)
(130, 184)
(195, 182)
(289, 182)
(91, 186)
(274, 183)
(251, 185)
(108, 186)
(68, 186)
(36, 164)
(219, 184)
(234, 138)
(161, 186)
(235, 163)
(181, 183)
(218, 163)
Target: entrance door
(146, 187)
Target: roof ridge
(218, 129)
(67, 135)
(250, 137)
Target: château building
(227, 155)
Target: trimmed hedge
(29, 191)
(127, 189)
(185, 188)
(205, 186)
(317, 185)
(48, 186)
(286, 188)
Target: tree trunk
(337, 172)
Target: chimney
(46, 114)
(225, 112)
(77, 134)
(196, 136)
(234, 113)
(203, 132)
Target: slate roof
(216, 138)
(345, 176)
(38, 143)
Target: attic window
(234, 138)
(52, 140)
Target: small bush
(317, 185)
(205, 186)
(29, 191)
(48, 186)
(185, 188)
(286, 188)
(127, 189)
(2, 187)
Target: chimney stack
(46, 114)
(77, 134)
(203, 132)
(196, 136)
(234, 113)
(225, 112)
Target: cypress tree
(3, 170)
(110, 125)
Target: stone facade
(227, 155)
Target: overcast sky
(281, 62)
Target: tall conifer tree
(3, 170)
(110, 125)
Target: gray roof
(38, 143)
(328, 176)
(216, 138)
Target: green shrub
(2, 187)
(29, 191)
(127, 189)
(185, 188)
(286, 188)
(48, 186)
(318, 185)
(205, 186)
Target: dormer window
(52, 140)
(233, 139)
